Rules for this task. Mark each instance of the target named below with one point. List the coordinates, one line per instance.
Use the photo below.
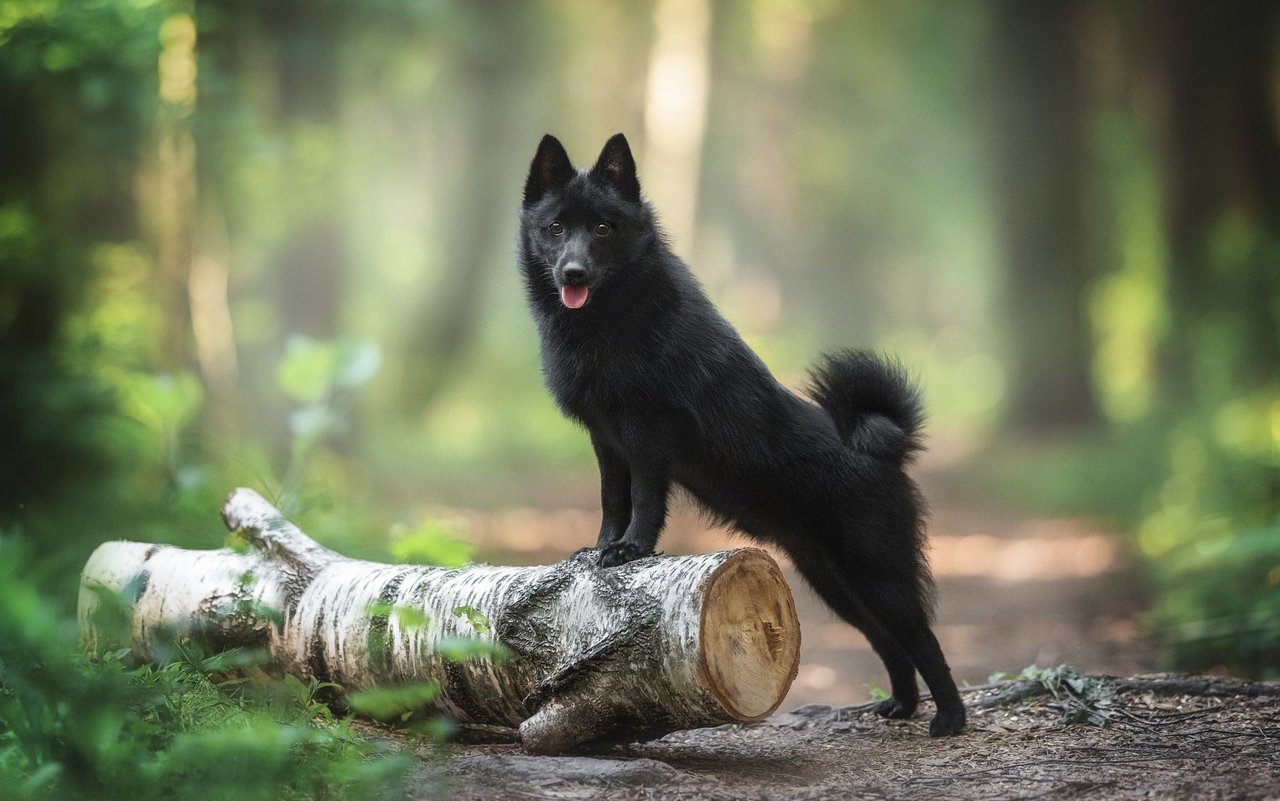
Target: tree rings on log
(750, 636)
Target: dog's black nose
(575, 273)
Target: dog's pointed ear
(617, 168)
(551, 169)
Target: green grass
(78, 728)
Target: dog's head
(578, 227)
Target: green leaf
(314, 422)
(357, 362)
(386, 703)
(165, 403)
(478, 620)
(433, 543)
(42, 777)
(408, 617)
(308, 369)
(465, 649)
(311, 369)
(411, 617)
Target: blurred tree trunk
(492, 73)
(676, 115)
(35, 302)
(753, 205)
(311, 261)
(67, 188)
(169, 190)
(271, 75)
(1039, 143)
(1221, 165)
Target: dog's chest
(588, 382)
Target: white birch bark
(657, 645)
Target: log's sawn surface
(653, 646)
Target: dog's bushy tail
(875, 406)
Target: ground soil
(1153, 737)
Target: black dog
(633, 349)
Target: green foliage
(1209, 521)
(77, 92)
(1213, 486)
(477, 619)
(1221, 599)
(434, 542)
(1193, 475)
(464, 649)
(394, 703)
(320, 375)
(313, 370)
(406, 616)
(1196, 492)
(166, 405)
(75, 728)
(1084, 700)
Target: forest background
(272, 243)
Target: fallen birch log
(653, 646)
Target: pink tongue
(573, 296)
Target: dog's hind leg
(902, 675)
(896, 604)
(927, 654)
(822, 571)
(890, 610)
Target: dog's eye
(603, 229)
(556, 228)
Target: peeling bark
(654, 646)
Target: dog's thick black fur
(671, 395)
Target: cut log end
(750, 636)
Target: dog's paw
(896, 709)
(947, 722)
(619, 553)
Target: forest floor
(1142, 738)
(1014, 589)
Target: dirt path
(1158, 738)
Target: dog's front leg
(649, 453)
(649, 487)
(615, 492)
